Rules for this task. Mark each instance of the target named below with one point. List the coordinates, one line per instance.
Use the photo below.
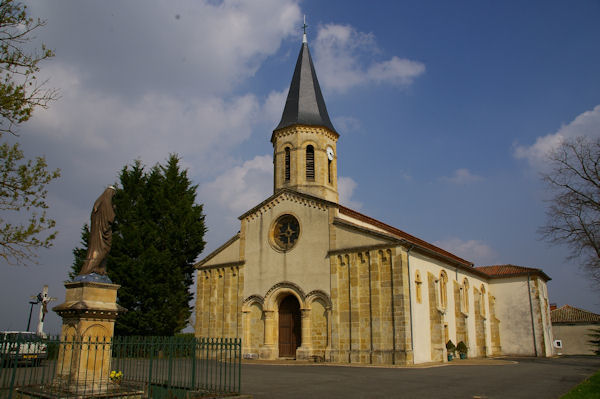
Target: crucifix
(304, 29)
(43, 300)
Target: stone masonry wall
(435, 322)
(494, 326)
(461, 320)
(369, 292)
(318, 319)
(479, 324)
(219, 302)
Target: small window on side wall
(482, 301)
(418, 289)
(443, 289)
(465, 298)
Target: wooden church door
(289, 327)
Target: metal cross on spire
(304, 29)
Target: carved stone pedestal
(84, 359)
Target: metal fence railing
(152, 367)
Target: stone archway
(290, 326)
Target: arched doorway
(289, 326)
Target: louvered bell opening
(287, 164)
(310, 163)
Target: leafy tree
(573, 217)
(157, 234)
(23, 182)
(80, 253)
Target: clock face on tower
(330, 153)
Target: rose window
(286, 232)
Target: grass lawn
(588, 389)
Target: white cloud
(242, 187)
(346, 124)
(273, 107)
(185, 46)
(202, 129)
(475, 251)
(462, 177)
(346, 187)
(585, 124)
(340, 51)
(395, 71)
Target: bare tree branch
(573, 217)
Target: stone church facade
(307, 277)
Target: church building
(308, 278)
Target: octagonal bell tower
(304, 142)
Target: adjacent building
(572, 327)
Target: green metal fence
(154, 367)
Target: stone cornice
(287, 131)
(76, 284)
(216, 251)
(82, 309)
(221, 265)
(287, 195)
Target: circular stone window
(285, 232)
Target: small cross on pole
(44, 299)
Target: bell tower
(304, 142)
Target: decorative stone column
(89, 313)
(246, 332)
(305, 350)
(269, 349)
(328, 348)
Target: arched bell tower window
(287, 164)
(310, 163)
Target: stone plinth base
(48, 392)
(303, 353)
(84, 355)
(268, 352)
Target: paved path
(510, 378)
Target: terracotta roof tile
(399, 233)
(570, 314)
(499, 271)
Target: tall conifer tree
(157, 234)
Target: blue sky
(444, 109)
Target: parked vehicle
(22, 347)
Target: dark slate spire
(305, 104)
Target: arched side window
(310, 163)
(443, 289)
(329, 170)
(482, 301)
(465, 298)
(287, 164)
(418, 289)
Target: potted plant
(462, 350)
(450, 348)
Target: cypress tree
(157, 234)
